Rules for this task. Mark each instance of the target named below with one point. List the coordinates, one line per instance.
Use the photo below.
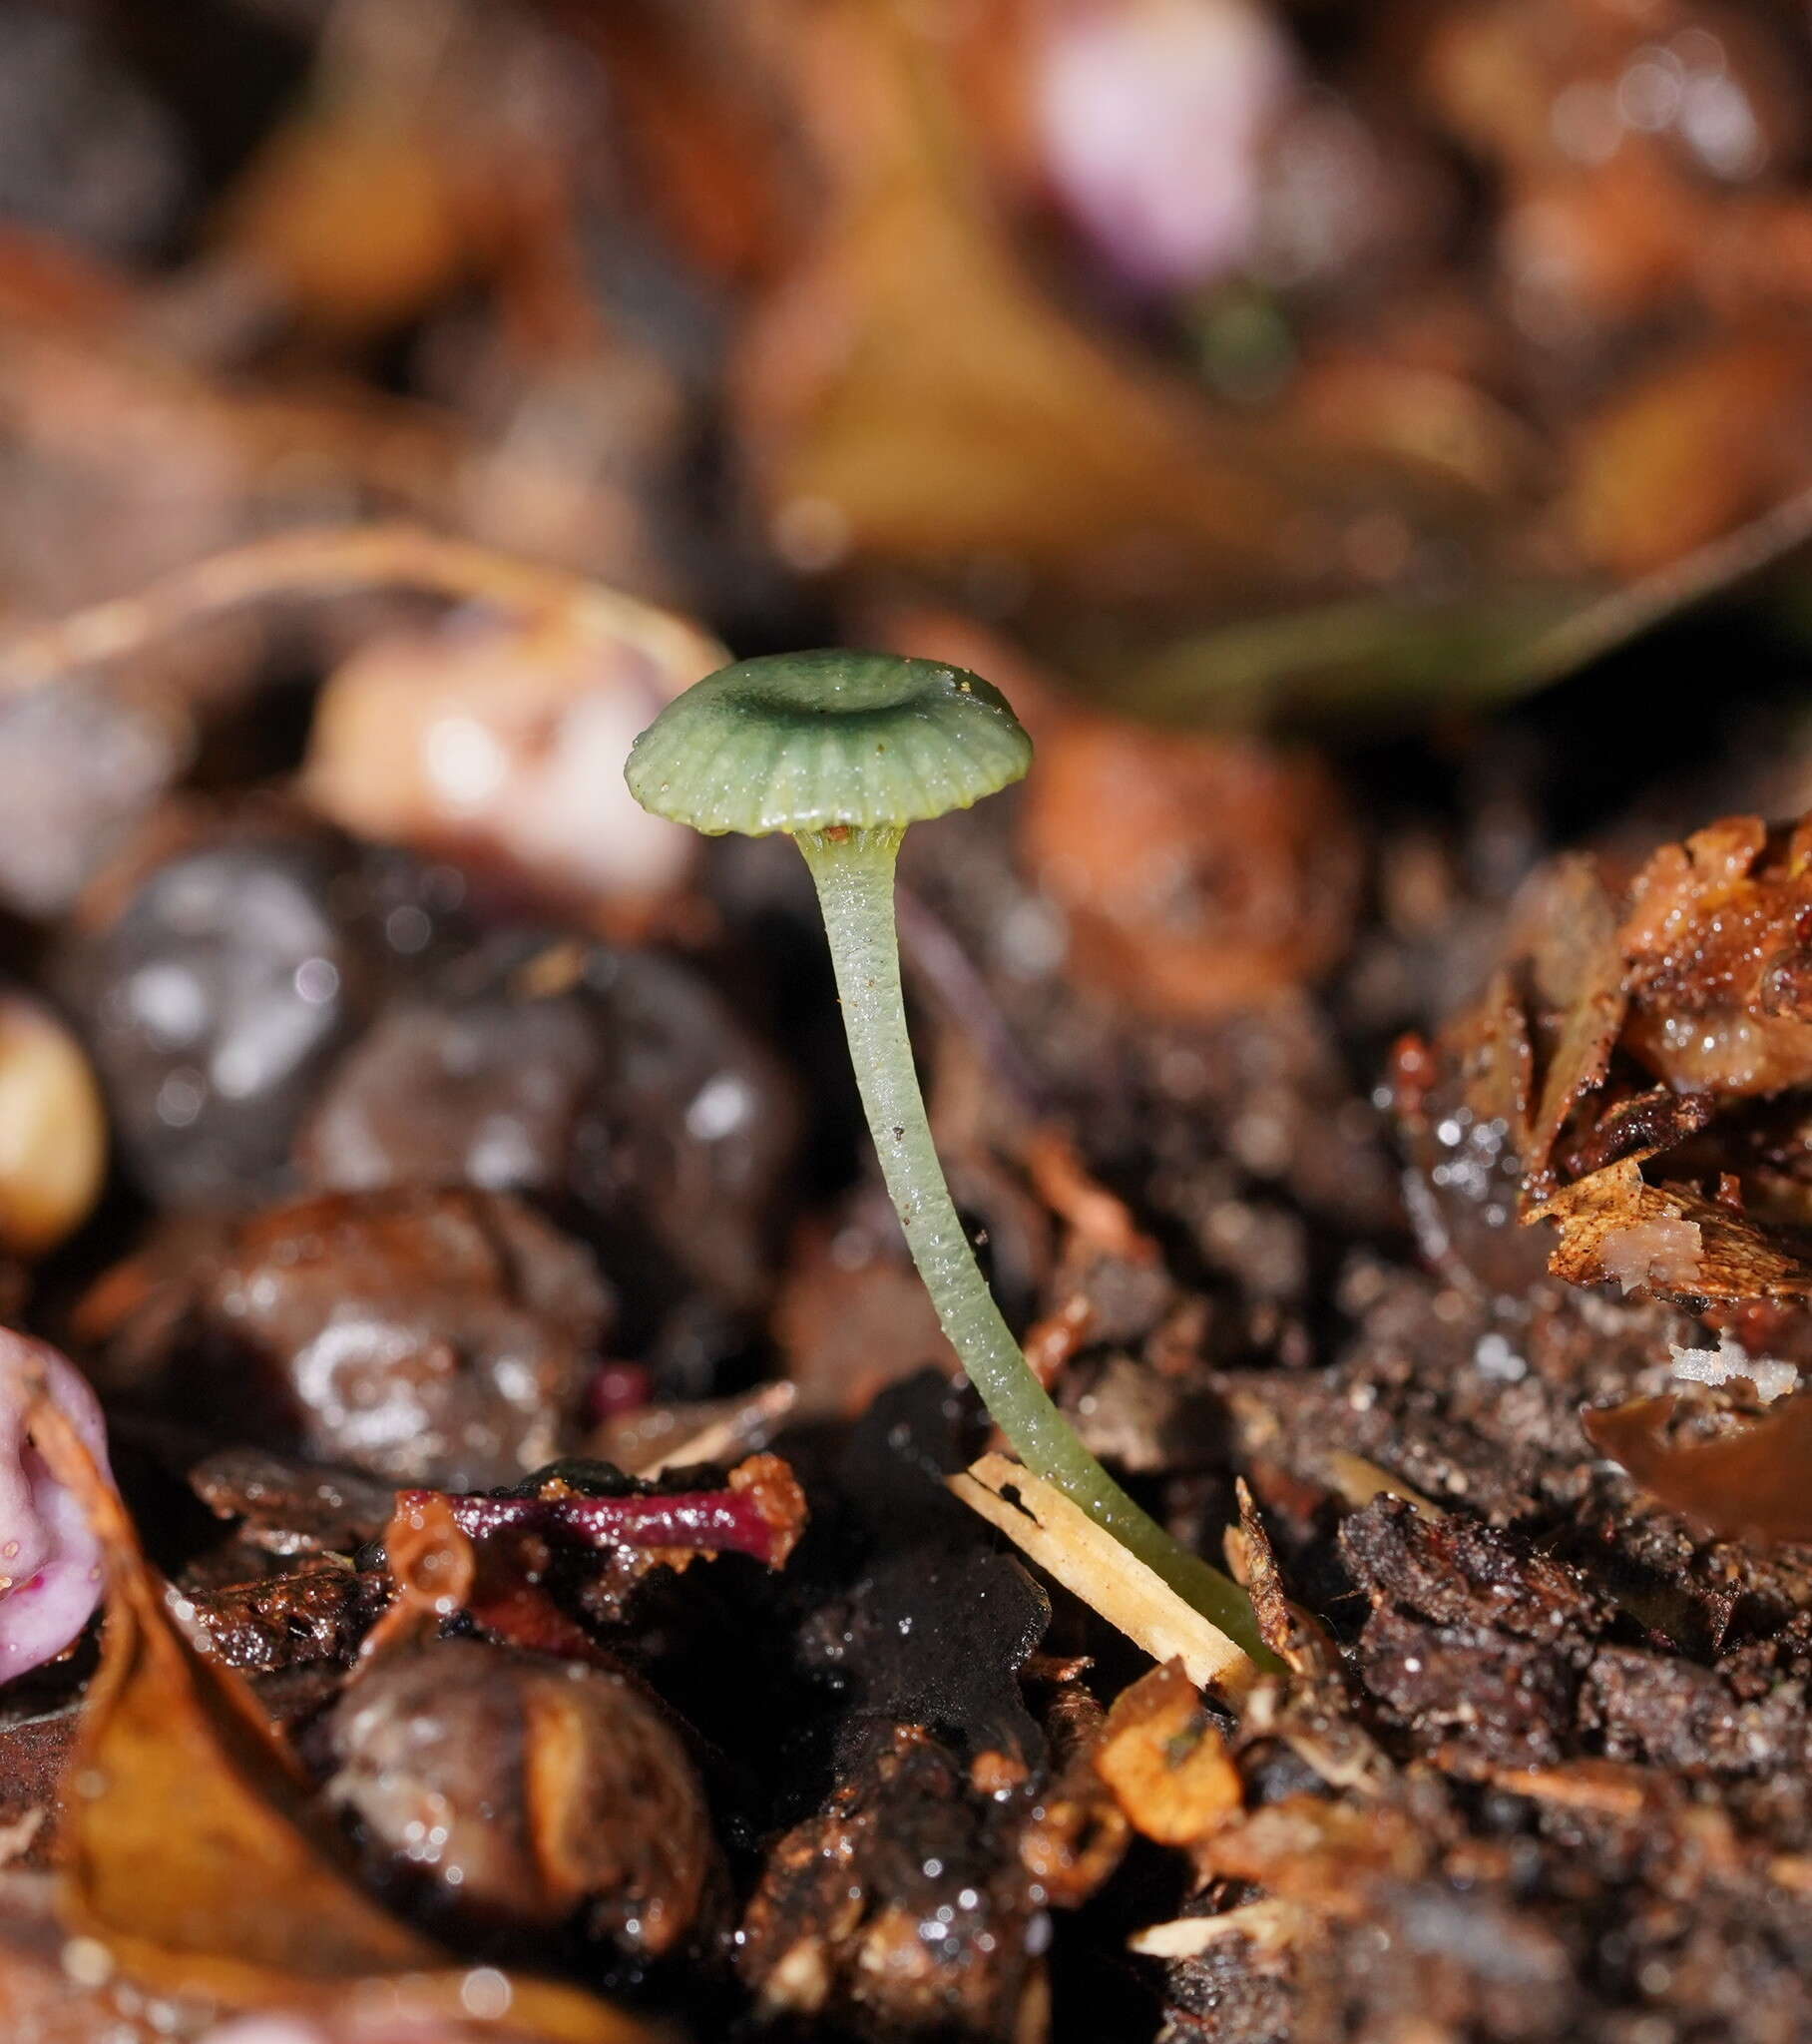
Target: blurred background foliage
(1212, 357)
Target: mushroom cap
(804, 742)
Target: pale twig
(335, 560)
(750, 1424)
(1272, 1924)
(1090, 1563)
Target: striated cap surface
(801, 741)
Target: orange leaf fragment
(1168, 1766)
(1746, 1484)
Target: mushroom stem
(853, 871)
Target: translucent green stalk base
(854, 874)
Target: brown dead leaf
(105, 433)
(1706, 439)
(909, 394)
(696, 100)
(285, 218)
(1614, 1226)
(1745, 1484)
(1651, 1018)
(1462, 1107)
(1297, 1639)
(191, 1850)
(1578, 969)
(1496, 1057)
(1637, 1125)
(1719, 971)
(1311, 1716)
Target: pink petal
(50, 1559)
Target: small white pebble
(88, 1962)
(485, 1993)
(1494, 1357)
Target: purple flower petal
(1153, 115)
(50, 1560)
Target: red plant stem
(705, 1521)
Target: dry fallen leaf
(363, 139)
(1719, 977)
(1633, 1023)
(910, 396)
(1748, 1483)
(1708, 438)
(1577, 968)
(128, 463)
(1614, 1226)
(192, 1852)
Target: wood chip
(16, 1837)
(723, 1432)
(1359, 1481)
(1050, 1530)
(1271, 1925)
(1166, 1764)
(1609, 1788)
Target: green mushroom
(842, 751)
